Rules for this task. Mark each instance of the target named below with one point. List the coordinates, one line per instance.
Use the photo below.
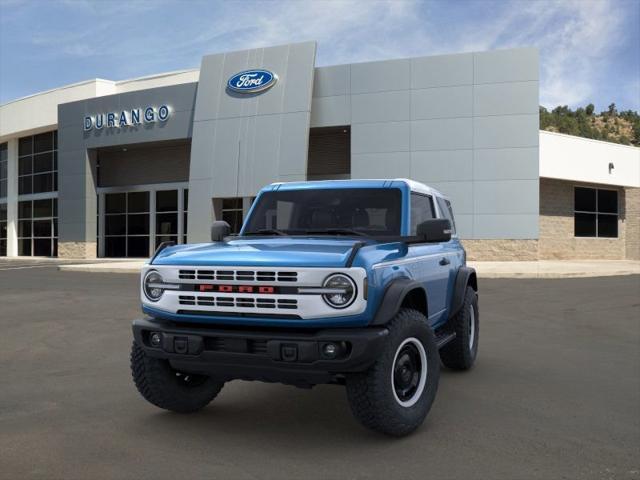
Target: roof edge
(101, 80)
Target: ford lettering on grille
(237, 288)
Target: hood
(273, 252)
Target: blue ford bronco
(361, 283)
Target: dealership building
(112, 168)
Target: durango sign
(127, 118)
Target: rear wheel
(461, 352)
(396, 393)
(167, 388)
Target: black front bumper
(276, 355)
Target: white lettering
(163, 113)
(249, 80)
(125, 118)
(149, 115)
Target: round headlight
(152, 289)
(342, 291)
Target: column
(12, 198)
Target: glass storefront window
(133, 224)
(3, 229)
(38, 163)
(4, 162)
(185, 206)
(38, 228)
(232, 213)
(166, 216)
(126, 224)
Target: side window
(421, 210)
(447, 211)
(595, 212)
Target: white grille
(288, 303)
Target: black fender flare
(466, 276)
(393, 297)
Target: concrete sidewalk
(556, 268)
(121, 266)
(540, 269)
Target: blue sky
(590, 50)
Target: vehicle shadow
(272, 413)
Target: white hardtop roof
(420, 187)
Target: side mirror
(219, 230)
(435, 230)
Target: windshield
(338, 211)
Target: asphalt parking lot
(555, 394)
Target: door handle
(444, 261)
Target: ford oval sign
(252, 81)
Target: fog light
(155, 339)
(330, 350)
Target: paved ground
(538, 269)
(555, 394)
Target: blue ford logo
(252, 81)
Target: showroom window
(185, 207)
(232, 213)
(4, 162)
(126, 224)
(38, 163)
(166, 216)
(3, 229)
(38, 228)
(595, 212)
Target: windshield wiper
(267, 231)
(337, 231)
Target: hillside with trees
(609, 125)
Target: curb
(551, 275)
(101, 269)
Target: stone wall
(632, 228)
(501, 250)
(556, 222)
(77, 250)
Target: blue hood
(273, 252)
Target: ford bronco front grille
(237, 275)
(228, 301)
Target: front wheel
(396, 393)
(168, 388)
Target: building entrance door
(126, 224)
(134, 223)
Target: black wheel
(167, 388)
(461, 352)
(396, 393)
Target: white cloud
(575, 37)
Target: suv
(361, 283)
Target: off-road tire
(371, 393)
(166, 388)
(458, 354)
